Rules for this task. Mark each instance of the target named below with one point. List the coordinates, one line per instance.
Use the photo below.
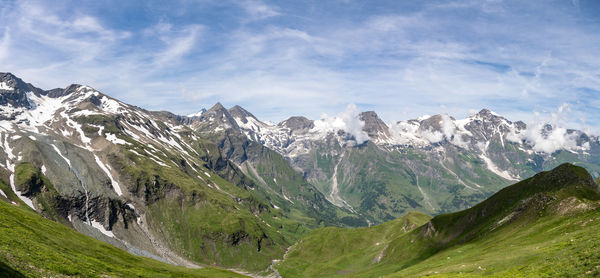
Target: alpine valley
(93, 187)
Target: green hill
(32, 246)
(546, 225)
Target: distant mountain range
(220, 187)
(434, 164)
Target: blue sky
(403, 59)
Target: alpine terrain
(91, 186)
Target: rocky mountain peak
(241, 113)
(373, 124)
(13, 91)
(297, 124)
(217, 117)
(486, 124)
(486, 113)
(217, 107)
(60, 92)
(9, 81)
(546, 130)
(433, 123)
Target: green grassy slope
(33, 246)
(546, 225)
(565, 246)
(337, 250)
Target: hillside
(32, 246)
(544, 225)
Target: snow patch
(85, 113)
(111, 105)
(100, 228)
(135, 152)
(61, 155)
(4, 86)
(43, 111)
(159, 162)
(115, 140)
(104, 168)
(84, 139)
(494, 169)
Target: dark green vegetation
(546, 225)
(33, 184)
(33, 246)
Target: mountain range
(222, 188)
(434, 164)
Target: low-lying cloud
(349, 121)
(549, 135)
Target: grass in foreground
(33, 246)
(545, 226)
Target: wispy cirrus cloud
(400, 59)
(177, 43)
(258, 10)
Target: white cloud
(555, 140)
(177, 46)
(432, 136)
(347, 121)
(548, 141)
(258, 10)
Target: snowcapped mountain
(145, 181)
(433, 163)
(472, 133)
